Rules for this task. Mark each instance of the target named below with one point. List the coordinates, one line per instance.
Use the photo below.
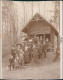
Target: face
(47, 40)
(22, 44)
(13, 47)
(18, 47)
(44, 42)
(35, 36)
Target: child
(11, 63)
(16, 62)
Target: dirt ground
(46, 70)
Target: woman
(35, 54)
(26, 55)
(21, 57)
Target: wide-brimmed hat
(18, 44)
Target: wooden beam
(52, 40)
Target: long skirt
(26, 57)
(21, 60)
(35, 58)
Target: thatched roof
(37, 18)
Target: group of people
(31, 50)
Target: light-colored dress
(21, 57)
(16, 62)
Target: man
(35, 39)
(30, 50)
(47, 45)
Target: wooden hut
(42, 28)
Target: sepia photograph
(31, 40)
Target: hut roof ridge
(38, 17)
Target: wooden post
(52, 40)
(43, 37)
(58, 42)
(28, 33)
